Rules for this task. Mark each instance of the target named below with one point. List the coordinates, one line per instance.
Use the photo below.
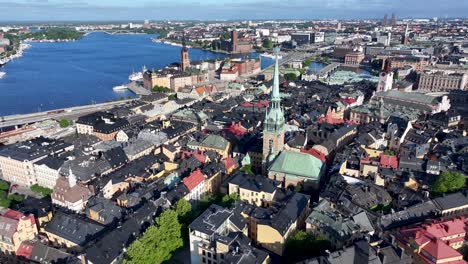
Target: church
(292, 168)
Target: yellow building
(15, 228)
(253, 189)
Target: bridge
(67, 113)
(109, 31)
(325, 71)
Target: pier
(138, 89)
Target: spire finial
(275, 90)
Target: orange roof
(194, 179)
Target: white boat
(135, 76)
(119, 87)
(2, 74)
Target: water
(316, 66)
(58, 75)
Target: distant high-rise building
(338, 26)
(184, 56)
(393, 20)
(385, 20)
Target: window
(204, 260)
(209, 254)
(222, 256)
(204, 253)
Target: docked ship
(119, 87)
(135, 76)
(2, 74)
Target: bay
(57, 75)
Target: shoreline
(19, 53)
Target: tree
(64, 123)
(307, 62)
(183, 209)
(268, 44)
(4, 186)
(161, 89)
(158, 242)
(301, 245)
(449, 181)
(290, 76)
(229, 200)
(41, 190)
(395, 75)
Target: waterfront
(64, 74)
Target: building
(273, 126)
(440, 81)
(155, 78)
(72, 231)
(184, 57)
(418, 63)
(297, 168)
(70, 194)
(48, 171)
(16, 228)
(219, 235)
(195, 184)
(421, 103)
(239, 46)
(253, 189)
(212, 142)
(385, 77)
(354, 58)
(103, 125)
(17, 161)
(301, 38)
(437, 242)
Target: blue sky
(225, 9)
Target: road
(71, 113)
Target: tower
(71, 178)
(234, 41)
(273, 126)
(385, 20)
(184, 56)
(393, 20)
(404, 38)
(385, 77)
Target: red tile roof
(229, 163)
(194, 179)
(24, 250)
(237, 129)
(387, 161)
(314, 152)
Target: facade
(195, 184)
(354, 58)
(441, 81)
(17, 161)
(385, 77)
(15, 228)
(273, 127)
(70, 194)
(184, 57)
(437, 242)
(418, 63)
(239, 46)
(253, 189)
(152, 78)
(219, 235)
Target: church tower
(273, 129)
(184, 56)
(385, 77)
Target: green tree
(229, 200)
(15, 198)
(301, 245)
(161, 89)
(449, 181)
(395, 75)
(307, 62)
(268, 44)
(158, 242)
(4, 186)
(64, 123)
(290, 76)
(41, 190)
(183, 209)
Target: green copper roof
(298, 164)
(215, 141)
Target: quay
(67, 113)
(137, 89)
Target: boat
(119, 87)
(135, 76)
(2, 74)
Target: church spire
(275, 90)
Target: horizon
(225, 10)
